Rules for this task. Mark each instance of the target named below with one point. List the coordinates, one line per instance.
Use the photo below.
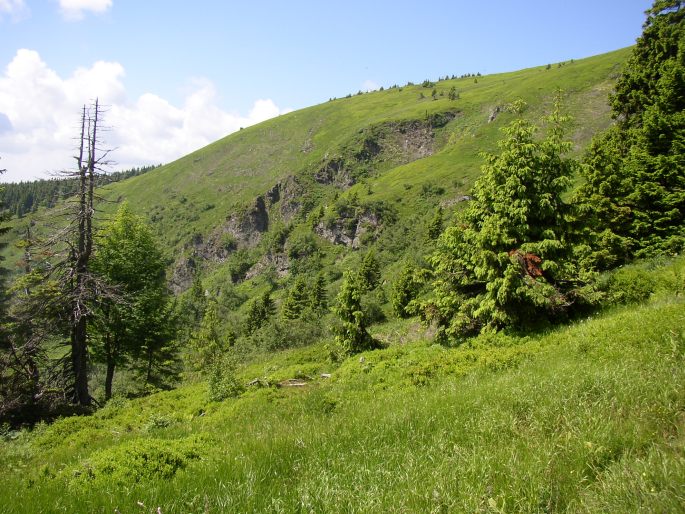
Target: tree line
(21, 198)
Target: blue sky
(179, 75)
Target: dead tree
(83, 286)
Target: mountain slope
(318, 150)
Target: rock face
(335, 172)
(352, 231)
(279, 262)
(182, 275)
(248, 226)
(392, 143)
(494, 113)
(291, 198)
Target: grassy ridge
(197, 192)
(585, 418)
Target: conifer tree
(435, 227)
(319, 297)
(352, 334)
(207, 343)
(405, 289)
(369, 271)
(633, 200)
(508, 261)
(260, 310)
(296, 300)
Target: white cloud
(39, 113)
(75, 9)
(14, 9)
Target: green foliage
(259, 311)
(352, 335)
(600, 400)
(137, 322)
(406, 289)
(222, 380)
(634, 194)
(318, 298)
(208, 342)
(296, 299)
(507, 261)
(369, 273)
(140, 460)
(435, 226)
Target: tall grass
(588, 418)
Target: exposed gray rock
(350, 231)
(182, 275)
(291, 198)
(334, 172)
(494, 113)
(247, 227)
(273, 195)
(278, 261)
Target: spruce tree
(435, 226)
(634, 195)
(507, 261)
(369, 272)
(405, 290)
(296, 300)
(318, 299)
(352, 334)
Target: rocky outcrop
(291, 198)
(335, 172)
(247, 227)
(351, 231)
(494, 113)
(182, 274)
(391, 144)
(279, 262)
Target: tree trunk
(111, 363)
(79, 359)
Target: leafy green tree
(435, 226)
(369, 271)
(508, 259)
(352, 334)
(136, 321)
(296, 300)
(405, 289)
(634, 195)
(318, 299)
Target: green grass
(585, 418)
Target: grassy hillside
(586, 418)
(195, 195)
(424, 151)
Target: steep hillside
(402, 146)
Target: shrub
(136, 461)
(222, 381)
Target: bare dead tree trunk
(83, 293)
